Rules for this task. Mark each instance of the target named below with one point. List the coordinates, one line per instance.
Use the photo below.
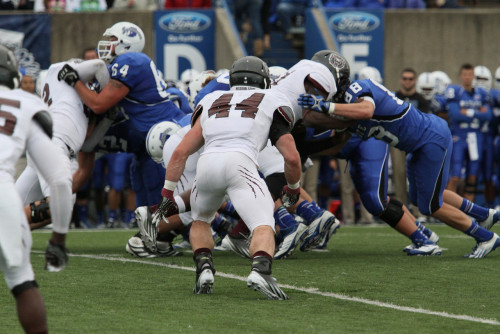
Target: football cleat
(56, 258)
(240, 246)
(484, 248)
(165, 248)
(333, 229)
(266, 284)
(204, 273)
(493, 218)
(291, 241)
(135, 246)
(428, 248)
(317, 230)
(147, 228)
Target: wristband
(169, 185)
(469, 112)
(294, 186)
(331, 109)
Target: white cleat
(237, 245)
(317, 230)
(266, 284)
(147, 228)
(205, 282)
(493, 218)
(333, 229)
(291, 241)
(427, 249)
(484, 248)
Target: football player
(379, 113)
(26, 125)
(137, 86)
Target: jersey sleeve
(129, 68)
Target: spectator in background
(7, 5)
(90, 53)
(135, 4)
(28, 83)
(407, 93)
(187, 4)
(265, 13)
(287, 10)
(245, 10)
(415, 4)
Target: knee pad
(40, 211)
(392, 213)
(18, 289)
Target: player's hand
(314, 103)
(290, 197)
(68, 74)
(167, 206)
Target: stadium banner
(359, 36)
(184, 40)
(29, 36)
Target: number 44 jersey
(239, 120)
(394, 121)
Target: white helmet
(441, 81)
(497, 78)
(276, 71)
(482, 77)
(370, 72)
(188, 75)
(130, 38)
(426, 85)
(156, 138)
(222, 71)
(197, 84)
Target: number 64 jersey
(394, 121)
(239, 120)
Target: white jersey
(17, 108)
(65, 106)
(292, 82)
(270, 160)
(239, 120)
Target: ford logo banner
(185, 22)
(354, 22)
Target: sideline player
(234, 127)
(27, 126)
(378, 113)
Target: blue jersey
(219, 83)
(180, 98)
(394, 121)
(147, 102)
(458, 98)
(438, 104)
(495, 106)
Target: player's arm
(362, 109)
(110, 95)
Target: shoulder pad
(44, 119)
(287, 113)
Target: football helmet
(441, 81)
(9, 71)
(276, 71)
(370, 72)
(130, 38)
(482, 77)
(197, 84)
(188, 75)
(497, 78)
(156, 138)
(426, 85)
(250, 71)
(339, 67)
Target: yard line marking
(314, 291)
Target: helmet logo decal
(131, 32)
(337, 61)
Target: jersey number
(7, 120)
(249, 106)
(46, 95)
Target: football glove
(167, 206)
(290, 196)
(314, 103)
(56, 257)
(69, 75)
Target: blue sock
(130, 214)
(229, 208)
(100, 217)
(284, 220)
(112, 214)
(418, 238)
(475, 211)
(421, 227)
(479, 233)
(308, 211)
(83, 214)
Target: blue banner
(31, 32)
(358, 35)
(184, 40)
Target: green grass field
(363, 283)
